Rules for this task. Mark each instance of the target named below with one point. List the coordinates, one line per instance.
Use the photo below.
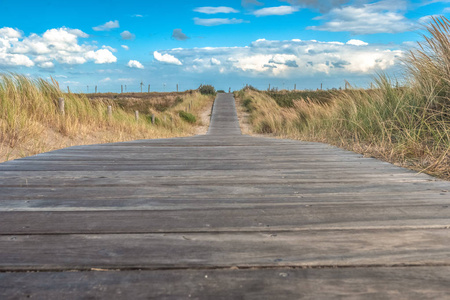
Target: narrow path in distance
(220, 215)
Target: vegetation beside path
(31, 123)
(408, 126)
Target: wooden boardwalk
(220, 216)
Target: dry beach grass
(408, 126)
(30, 122)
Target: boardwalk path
(220, 215)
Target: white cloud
(215, 62)
(8, 38)
(15, 60)
(276, 11)
(107, 79)
(357, 43)
(215, 10)
(135, 64)
(446, 10)
(55, 45)
(107, 26)
(290, 58)
(217, 21)
(125, 47)
(167, 58)
(426, 20)
(126, 35)
(102, 56)
(46, 65)
(10, 33)
(109, 48)
(380, 17)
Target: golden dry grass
(408, 126)
(30, 122)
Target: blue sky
(224, 43)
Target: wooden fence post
(149, 88)
(96, 89)
(295, 87)
(136, 115)
(321, 86)
(121, 89)
(68, 89)
(109, 111)
(268, 88)
(177, 87)
(153, 118)
(61, 106)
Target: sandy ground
(205, 118)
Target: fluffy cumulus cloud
(59, 45)
(166, 58)
(102, 56)
(287, 58)
(217, 21)
(276, 11)
(107, 26)
(215, 10)
(135, 64)
(379, 17)
(357, 43)
(9, 37)
(179, 35)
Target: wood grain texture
(160, 215)
(278, 283)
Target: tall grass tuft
(30, 121)
(409, 126)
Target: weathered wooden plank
(349, 283)
(187, 165)
(200, 203)
(213, 203)
(190, 191)
(193, 250)
(90, 180)
(217, 217)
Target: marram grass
(408, 126)
(30, 122)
